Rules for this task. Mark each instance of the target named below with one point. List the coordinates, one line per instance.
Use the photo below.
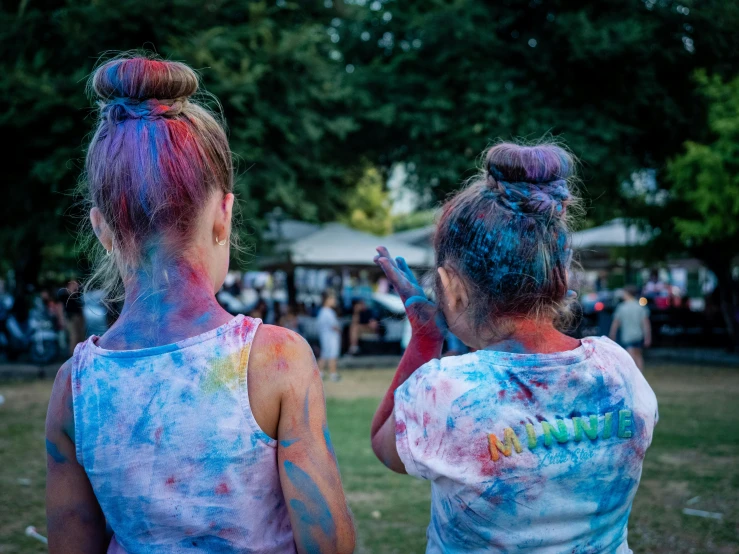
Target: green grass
(400, 503)
(22, 457)
(695, 453)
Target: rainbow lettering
(582, 426)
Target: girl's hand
(424, 315)
(428, 326)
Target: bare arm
(647, 329)
(615, 324)
(74, 519)
(309, 473)
(425, 345)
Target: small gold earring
(221, 242)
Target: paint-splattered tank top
(538, 453)
(175, 457)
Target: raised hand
(424, 315)
(429, 327)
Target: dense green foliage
(706, 176)
(705, 190)
(284, 98)
(368, 205)
(611, 78)
(315, 91)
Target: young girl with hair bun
(182, 428)
(534, 442)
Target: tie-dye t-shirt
(528, 452)
(175, 457)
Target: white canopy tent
(338, 245)
(615, 233)
(420, 236)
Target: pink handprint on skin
(424, 315)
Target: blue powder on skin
(315, 511)
(327, 438)
(53, 451)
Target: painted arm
(309, 473)
(427, 324)
(74, 519)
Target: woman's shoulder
(273, 344)
(280, 356)
(280, 363)
(279, 359)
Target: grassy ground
(695, 454)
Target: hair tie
(495, 173)
(120, 109)
(526, 198)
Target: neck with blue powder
(167, 299)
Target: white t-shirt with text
(528, 452)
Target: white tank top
(168, 440)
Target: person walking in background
(329, 335)
(363, 321)
(534, 442)
(74, 316)
(632, 319)
(182, 428)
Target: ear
(222, 219)
(455, 292)
(101, 229)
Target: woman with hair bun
(535, 441)
(182, 428)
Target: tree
(705, 192)
(439, 80)
(314, 93)
(369, 205)
(270, 64)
